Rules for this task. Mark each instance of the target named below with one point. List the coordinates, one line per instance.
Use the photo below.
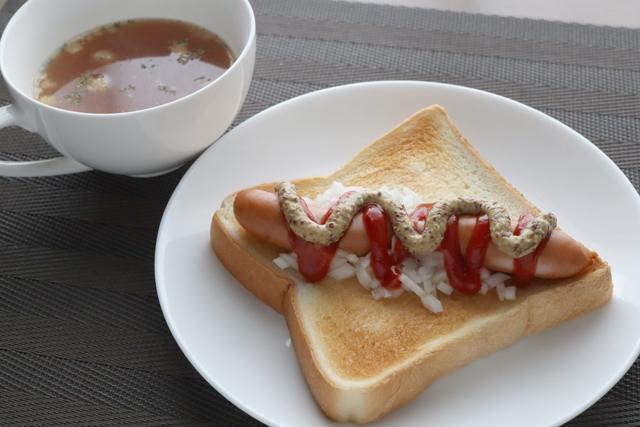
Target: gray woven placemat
(82, 337)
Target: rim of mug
(240, 58)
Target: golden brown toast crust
(363, 357)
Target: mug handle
(11, 115)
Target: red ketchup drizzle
(464, 273)
(384, 262)
(375, 222)
(525, 267)
(314, 259)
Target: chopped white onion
(484, 289)
(413, 274)
(287, 260)
(445, 288)
(291, 259)
(432, 303)
(379, 293)
(394, 293)
(439, 275)
(510, 293)
(412, 200)
(364, 261)
(331, 196)
(345, 271)
(428, 286)
(382, 292)
(337, 262)
(397, 195)
(411, 263)
(341, 253)
(410, 285)
(438, 257)
(281, 262)
(394, 239)
(363, 277)
(413, 193)
(424, 273)
(495, 279)
(432, 260)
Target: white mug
(147, 142)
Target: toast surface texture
(363, 358)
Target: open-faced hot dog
(368, 345)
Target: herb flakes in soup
(132, 65)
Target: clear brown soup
(132, 65)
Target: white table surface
(617, 13)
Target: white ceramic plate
(239, 345)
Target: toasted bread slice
(363, 357)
